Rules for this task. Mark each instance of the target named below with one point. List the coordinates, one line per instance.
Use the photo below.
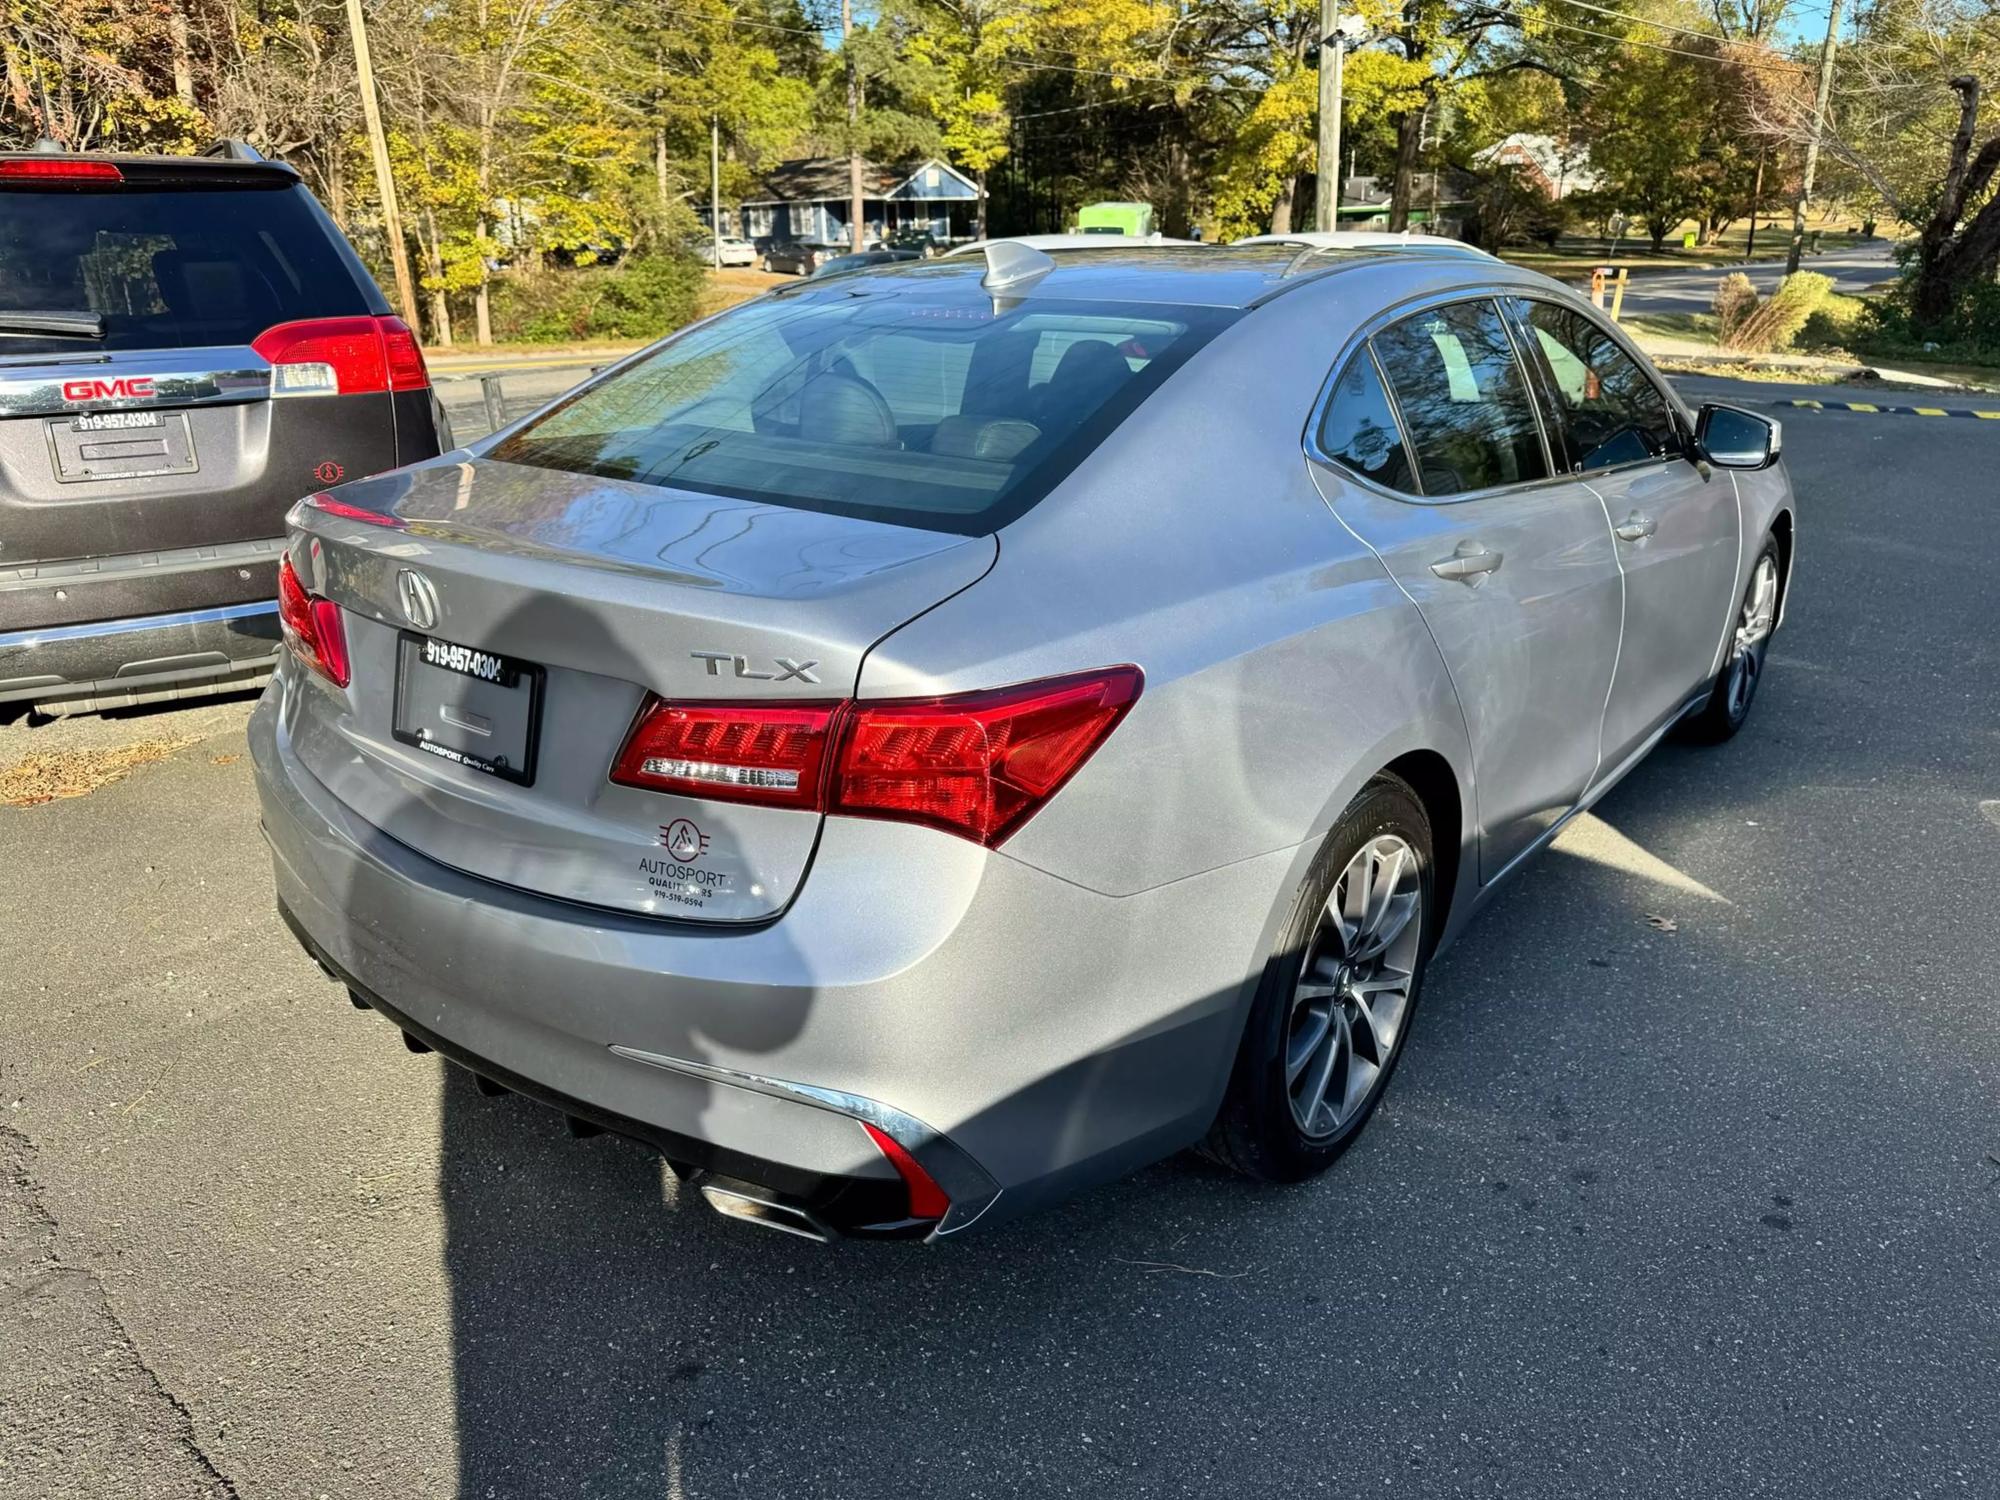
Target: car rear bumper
(1016, 1034)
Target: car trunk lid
(590, 593)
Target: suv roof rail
(234, 150)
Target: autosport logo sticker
(679, 878)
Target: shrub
(1770, 323)
(1837, 324)
(640, 299)
(1734, 298)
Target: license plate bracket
(476, 709)
(95, 446)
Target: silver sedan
(924, 742)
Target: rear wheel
(1728, 705)
(1334, 1009)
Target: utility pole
(1812, 145)
(1326, 194)
(378, 150)
(715, 185)
(1756, 203)
(855, 207)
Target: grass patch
(77, 773)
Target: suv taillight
(56, 169)
(342, 357)
(978, 765)
(312, 627)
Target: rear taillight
(312, 627)
(55, 169)
(730, 753)
(978, 765)
(342, 357)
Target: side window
(1463, 398)
(1359, 432)
(1614, 412)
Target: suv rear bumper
(148, 659)
(114, 632)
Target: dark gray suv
(187, 346)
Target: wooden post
(1812, 144)
(378, 150)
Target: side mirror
(1731, 438)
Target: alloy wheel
(1353, 994)
(1753, 633)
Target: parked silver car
(913, 745)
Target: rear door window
(171, 268)
(1359, 429)
(1611, 409)
(923, 404)
(1463, 398)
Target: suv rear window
(171, 268)
(914, 401)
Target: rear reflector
(927, 1199)
(342, 357)
(978, 765)
(57, 170)
(312, 627)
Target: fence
(483, 403)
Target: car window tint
(923, 405)
(174, 268)
(1359, 432)
(1464, 402)
(1613, 411)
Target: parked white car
(729, 251)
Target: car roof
(1066, 242)
(1204, 275)
(1368, 239)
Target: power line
(1706, 57)
(1029, 67)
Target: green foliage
(1767, 324)
(1886, 328)
(640, 299)
(1838, 323)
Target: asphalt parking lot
(1689, 1186)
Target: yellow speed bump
(1879, 409)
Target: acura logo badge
(420, 598)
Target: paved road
(1854, 270)
(1708, 1212)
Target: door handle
(1636, 528)
(1468, 565)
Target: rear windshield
(170, 268)
(908, 399)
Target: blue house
(809, 200)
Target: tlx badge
(740, 667)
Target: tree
(1905, 121)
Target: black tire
(1734, 692)
(1256, 1131)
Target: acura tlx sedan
(921, 742)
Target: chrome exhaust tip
(736, 1199)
